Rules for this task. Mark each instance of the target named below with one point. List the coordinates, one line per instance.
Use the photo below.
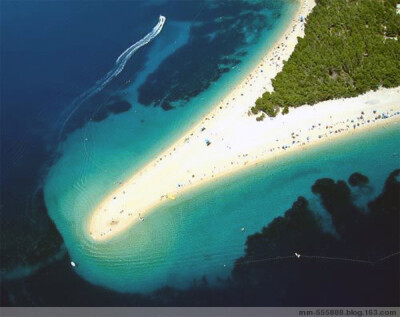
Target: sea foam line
(116, 70)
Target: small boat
(242, 229)
(73, 264)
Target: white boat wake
(116, 70)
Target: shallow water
(199, 234)
(95, 156)
(62, 48)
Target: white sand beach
(229, 139)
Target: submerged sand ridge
(229, 139)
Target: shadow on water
(30, 122)
(30, 239)
(32, 105)
(291, 262)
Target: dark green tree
(349, 48)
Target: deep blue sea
(72, 128)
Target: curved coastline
(190, 162)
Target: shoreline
(235, 141)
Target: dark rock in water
(360, 265)
(115, 107)
(277, 15)
(119, 106)
(191, 69)
(385, 212)
(338, 202)
(358, 179)
(298, 224)
(166, 106)
(224, 70)
(100, 116)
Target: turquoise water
(134, 137)
(199, 234)
(95, 158)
